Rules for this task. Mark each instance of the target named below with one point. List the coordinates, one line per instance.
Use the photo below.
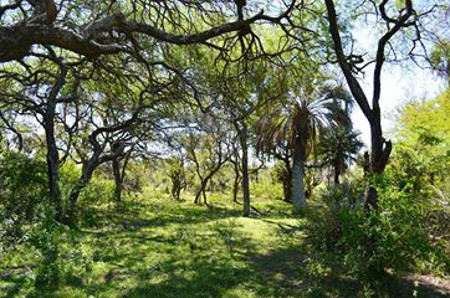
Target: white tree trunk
(298, 189)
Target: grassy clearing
(162, 248)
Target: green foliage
(398, 229)
(422, 118)
(98, 191)
(27, 217)
(70, 173)
(438, 213)
(421, 157)
(340, 146)
(46, 243)
(440, 57)
(177, 174)
(265, 187)
(421, 161)
(347, 195)
(23, 196)
(392, 238)
(335, 219)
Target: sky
(400, 83)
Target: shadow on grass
(185, 264)
(286, 273)
(209, 279)
(283, 272)
(129, 216)
(184, 259)
(290, 273)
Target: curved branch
(16, 40)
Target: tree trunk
(379, 158)
(52, 160)
(205, 201)
(380, 148)
(176, 185)
(119, 170)
(237, 179)
(204, 182)
(337, 172)
(336, 177)
(245, 174)
(237, 182)
(201, 191)
(287, 194)
(298, 189)
(118, 179)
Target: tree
(422, 157)
(296, 127)
(209, 151)
(440, 59)
(9, 124)
(115, 120)
(241, 99)
(119, 27)
(58, 95)
(352, 63)
(102, 36)
(237, 173)
(119, 168)
(40, 97)
(177, 175)
(339, 148)
(231, 93)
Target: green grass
(162, 248)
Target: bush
(97, 191)
(23, 196)
(266, 188)
(335, 220)
(70, 172)
(45, 240)
(401, 240)
(339, 229)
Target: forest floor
(163, 248)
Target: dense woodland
(200, 148)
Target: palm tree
(340, 147)
(297, 125)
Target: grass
(161, 248)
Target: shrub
(335, 220)
(70, 172)
(23, 196)
(401, 239)
(339, 229)
(265, 187)
(97, 191)
(26, 215)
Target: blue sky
(400, 83)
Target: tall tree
(39, 94)
(395, 17)
(297, 125)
